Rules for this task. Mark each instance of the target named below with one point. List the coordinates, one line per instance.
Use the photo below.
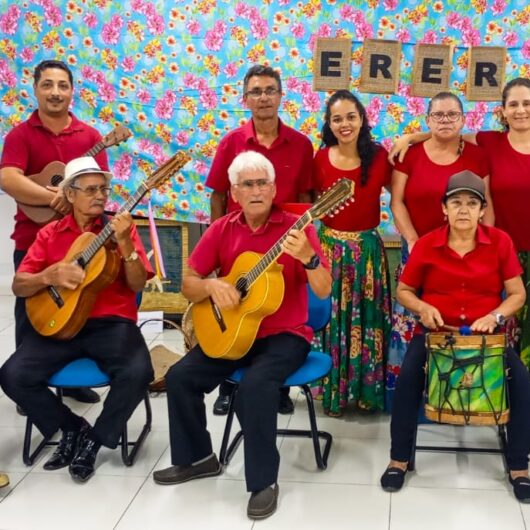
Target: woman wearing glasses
(508, 152)
(417, 183)
(358, 333)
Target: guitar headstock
(116, 136)
(333, 199)
(167, 169)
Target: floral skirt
(524, 313)
(357, 335)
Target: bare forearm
(22, 189)
(195, 289)
(217, 205)
(26, 284)
(403, 222)
(320, 281)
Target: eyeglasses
(451, 116)
(92, 191)
(256, 93)
(249, 185)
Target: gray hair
(250, 160)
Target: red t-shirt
(229, 236)
(427, 181)
(462, 288)
(291, 154)
(365, 212)
(31, 147)
(51, 246)
(510, 186)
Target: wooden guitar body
(51, 175)
(65, 322)
(241, 323)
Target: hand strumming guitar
(63, 274)
(223, 294)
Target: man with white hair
(110, 336)
(281, 346)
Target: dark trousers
(22, 324)
(408, 398)
(270, 361)
(120, 351)
(226, 388)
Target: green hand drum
(466, 379)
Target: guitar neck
(102, 237)
(95, 150)
(275, 251)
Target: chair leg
(128, 457)
(503, 443)
(29, 457)
(227, 451)
(321, 457)
(412, 460)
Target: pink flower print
(403, 35)
(27, 55)
(311, 102)
(298, 30)
(293, 84)
(525, 50)
(164, 107)
(242, 10)
(403, 89)
(471, 37)
(387, 143)
(453, 19)
(200, 167)
(364, 30)
(128, 64)
(350, 14)
(430, 37)
(510, 39)
(498, 7)
(372, 111)
(208, 98)
(324, 31)
(193, 26)
(107, 92)
(9, 21)
(190, 80)
(7, 77)
(182, 138)
(53, 15)
(259, 28)
(213, 40)
(390, 5)
(122, 167)
(475, 118)
(90, 20)
(111, 31)
(230, 70)
(416, 106)
(155, 24)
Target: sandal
(393, 479)
(331, 414)
(521, 488)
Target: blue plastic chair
(85, 372)
(316, 366)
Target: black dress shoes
(220, 407)
(83, 464)
(82, 394)
(66, 449)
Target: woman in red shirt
(417, 183)
(357, 335)
(461, 271)
(508, 152)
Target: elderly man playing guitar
(281, 342)
(109, 336)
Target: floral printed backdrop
(172, 70)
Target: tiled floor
(447, 491)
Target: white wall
(7, 211)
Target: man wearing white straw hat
(110, 336)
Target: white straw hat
(82, 166)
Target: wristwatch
(500, 319)
(133, 256)
(313, 263)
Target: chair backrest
(319, 310)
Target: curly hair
(366, 145)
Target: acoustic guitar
(59, 312)
(230, 333)
(53, 174)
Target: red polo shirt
(365, 212)
(291, 154)
(427, 181)
(510, 186)
(462, 288)
(30, 147)
(229, 236)
(53, 242)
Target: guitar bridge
(218, 316)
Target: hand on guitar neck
(59, 203)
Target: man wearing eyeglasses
(51, 133)
(110, 336)
(289, 151)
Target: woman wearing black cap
(461, 270)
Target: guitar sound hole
(242, 287)
(56, 180)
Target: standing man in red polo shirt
(282, 341)
(51, 133)
(289, 151)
